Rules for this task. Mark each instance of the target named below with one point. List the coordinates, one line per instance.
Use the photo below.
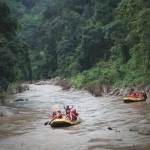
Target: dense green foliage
(92, 41)
(73, 32)
(14, 53)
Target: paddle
(81, 119)
(46, 123)
(55, 106)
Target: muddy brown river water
(26, 131)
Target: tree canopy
(91, 41)
(14, 53)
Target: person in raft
(59, 114)
(68, 111)
(144, 94)
(129, 94)
(137, 94)
(54, 115)
(74, 115)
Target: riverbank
(65, 84)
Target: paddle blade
(81, 119)
(55, 106)
(46, 123)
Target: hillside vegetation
(95, 43)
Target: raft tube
(64, 122)
(133, 99)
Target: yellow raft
(64, 122)
(133, 99)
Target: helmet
(59, 111)
(54, 112)
(73, 110)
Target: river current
(26, 130)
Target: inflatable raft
(64, 122)
(133, 99)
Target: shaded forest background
(93, 42)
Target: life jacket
(59, 115)
(140, 94)
(67, 110)
(133, 95)
(137, 94)
(145, 95)
(74, 115)
(129, 95)
(53, 116)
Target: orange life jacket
(140, 94)
(137, 94)
(59, 115)
(74, 115)
(129, 95)
(133, 95)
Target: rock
(134, 128)
(103, 140)
(111, 93)
(115, 90)
(48, 82)
(144, 131)
(20, 100)
(125, 92)
(120, 94)
(17, 100)
(2, 114)
(110, 128)
(138, 127)
(117, 93)
(147, 89)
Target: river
(26, 131)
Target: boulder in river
(134, 128)
(104, 139)
(144, 131)
(20, 100)
(138, 127)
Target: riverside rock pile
(124, 91)
(48, 82)
(143, 127)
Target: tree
(137, 13)
(14, 55)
